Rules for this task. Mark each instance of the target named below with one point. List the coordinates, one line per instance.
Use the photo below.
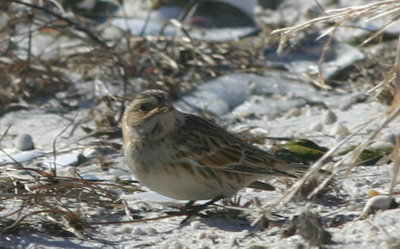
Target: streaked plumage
(184, 156)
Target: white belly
(150, 167)
(182, 185)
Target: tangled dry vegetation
(337, 18)
(48, 202)
(124, 63)
(169, 63)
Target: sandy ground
(222, 229)
(273, 104)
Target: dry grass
(118, 67)
(339, 17)
(170, 63)
(43, 198)
(129, 64)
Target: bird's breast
(156, 167)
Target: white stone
(24, 142)
(294, 112)
(316, 126)
(329, 118)
(338, 129)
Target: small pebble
(138, 231)
(24, 142)
(294, 112)
(151, 231)
(338, 138)
(201, 235)
(388, 137)
(195, 224)
(380, 145)
(125, 229)
(316, 126)
(338, 129)
(329, 118)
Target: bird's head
(151, 115)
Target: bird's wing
(212, 146)
(261, 185)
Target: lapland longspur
(187, 157)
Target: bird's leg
(185, 210)
(188, 206)
(191, 210)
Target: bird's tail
(295, 169)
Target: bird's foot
(190, 210)
(194, 210)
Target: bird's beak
(166, 108)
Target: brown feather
(226, 151)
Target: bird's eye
(144, 107)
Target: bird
(187, 157)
